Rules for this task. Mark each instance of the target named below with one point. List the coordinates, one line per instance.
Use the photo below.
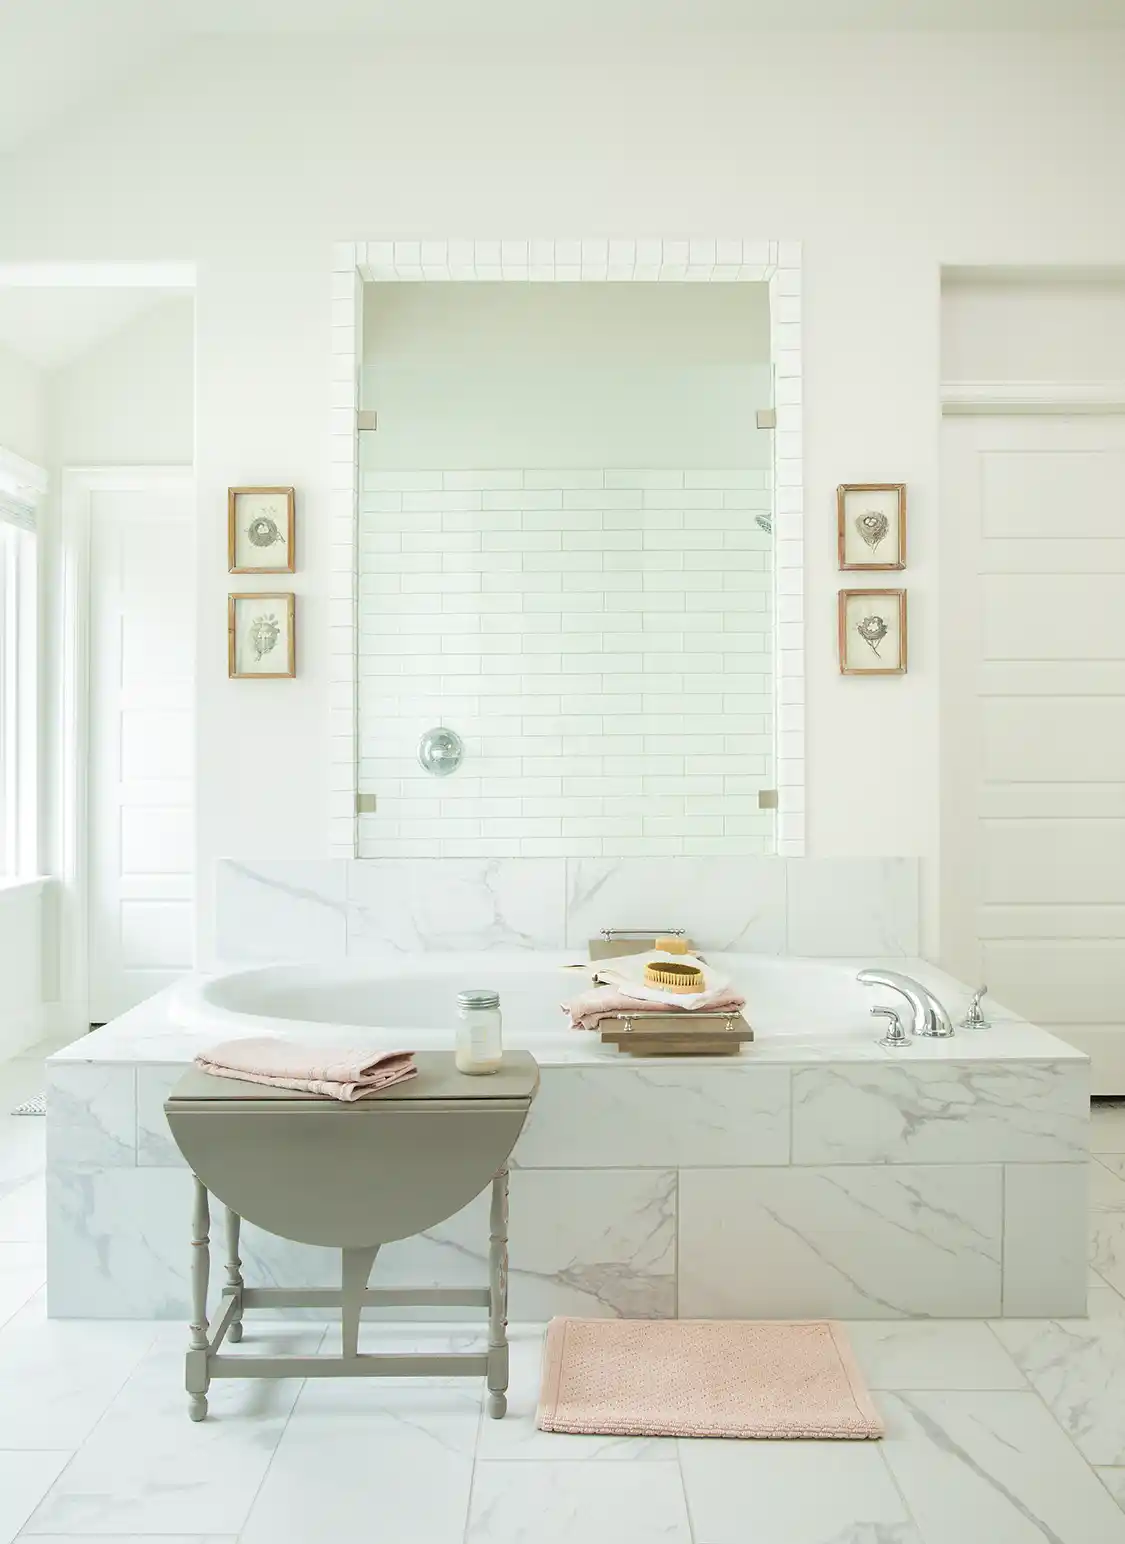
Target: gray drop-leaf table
(352, 1177)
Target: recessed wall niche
(566, 555)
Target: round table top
(438, 1079)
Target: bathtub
(814, 1175)
(394, 1005)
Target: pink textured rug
(703, 1378)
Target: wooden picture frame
(255, 630)
(261, 525)
(872, 627)
(871, 526)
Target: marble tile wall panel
(268, 910)
(156, 1148)
(1045, 1232)
(588, 1242)
(659, 1116)
(941, 1112)
(853, 906)
(602, 1245)
(280, 911)
(398, 905)
(92, 1118)
(876, 1242)
(724, 903)
(116, 1243)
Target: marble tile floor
(997, 1433)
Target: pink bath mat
(703, 1378)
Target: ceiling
(50, 327)
(60, 54)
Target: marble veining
(398, 906)
(93, 1116)
(725, 903)
(845, 906)
(849, 1242)
(1077, 1366)
(278, 910)
(304, 909)
(946, 1113)
(657, 1116)
(980, 1468)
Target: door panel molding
(77, 489)
(1033, 718)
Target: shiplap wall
(602, 641)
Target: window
(21, 488)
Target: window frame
(22, 486)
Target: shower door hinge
(365, 804)
(767, 798)
(766, 418)
(367, 418)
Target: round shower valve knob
(440, 751)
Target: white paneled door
(140, 848)
(1033, 721)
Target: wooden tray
(676, 1034)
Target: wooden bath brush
(672, 976)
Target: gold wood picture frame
(871, 526)
(260, 530)
(872, 632)
(262, 637)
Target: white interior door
(1033, 721)
(140, 791)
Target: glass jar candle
(479, 1048)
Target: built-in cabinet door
(1033, 721)
(140, 845)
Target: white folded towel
(627, 973)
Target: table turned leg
(498, 1297)
(235, 1282)
(196, 1376)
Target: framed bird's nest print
(261, 637)
(871, 525)
(260, 530)
(872, 632)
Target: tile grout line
(684, 1490)
(1003, 1233)
(888, 1469)
(476, 1459)
(1053, 1417)
(280, 1438)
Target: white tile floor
(1001, 1433)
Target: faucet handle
(974, 1018)
(896, 1037)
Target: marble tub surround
(335, 909)
(946, 1180)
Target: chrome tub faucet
(929, 1018)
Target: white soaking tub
(415, 1005)
(814, 1175)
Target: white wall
(21, 984)
(128, 401)
(886, 155)
(1012, 331)
(23, 408)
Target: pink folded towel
(344, 1072)
(590, 1008)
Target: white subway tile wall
(601, 640)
